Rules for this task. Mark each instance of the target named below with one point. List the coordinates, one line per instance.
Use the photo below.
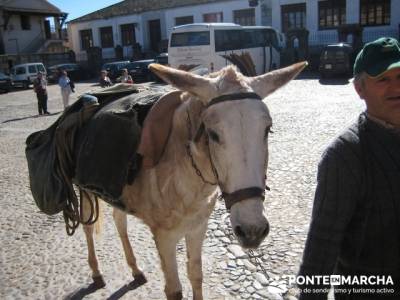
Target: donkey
(218, 139)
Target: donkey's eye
(267, 131)
(213, 135)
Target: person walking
(104, 81)
(125, 77)
(40, 88)
(65, 84)
(355, 223)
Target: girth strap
(239, 195)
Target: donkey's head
(235, 124)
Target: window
(32, 69)
(25, 22)
(331, 13)
(293, 16)
(244, 17)
(128, 36)
(213, 17)
(374, 12)
(41, 68)
(200, 38)
(233, 39)
(106, 37)
(20, 71)
(86, 39)
(183, 20)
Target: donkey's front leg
(194, 242)
(166, 245)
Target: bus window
(271, 38)
(182, 39)
(226, 40)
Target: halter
(241, 194)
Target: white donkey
(218, 139)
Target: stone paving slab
(39, 261)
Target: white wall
(95, 25)
(197, 12)
(23, 37)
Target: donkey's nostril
(239, 232)
(266, 230)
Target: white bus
(253, 49)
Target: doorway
(155, 34)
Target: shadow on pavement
(133, 285)
(31, 117)
(81, 293)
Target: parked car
(24, 74)
(74, 71)
(162, 58)
(139, 70)
(114, 68)
(336, 59)
(5, 83)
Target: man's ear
(359, 87)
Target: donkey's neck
(186, 122)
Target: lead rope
(189, 153)
(73, 211)
(254, 257)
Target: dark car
(162, 58)
(114, 68)
(74, 72)
(139, 70)
(5, 83)
(336, 59)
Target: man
(355, 225)
(40, 88)
(104, 81)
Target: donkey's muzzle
(250, 235)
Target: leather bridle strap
(239, 195)
(225, 98)
(232, 97)
(242, 194)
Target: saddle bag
(46, 181)
(50, 152)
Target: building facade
(323, 18)
(148, 23)
(26, 27)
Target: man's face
(382, 95)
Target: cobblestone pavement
(39, 261)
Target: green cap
(377, 57)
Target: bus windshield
(194, 38)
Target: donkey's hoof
(175, 296)
(140, 279)
(99, 282)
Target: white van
(24, 74)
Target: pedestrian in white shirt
(65, 83)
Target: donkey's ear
(268, 83)
(182, 80)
